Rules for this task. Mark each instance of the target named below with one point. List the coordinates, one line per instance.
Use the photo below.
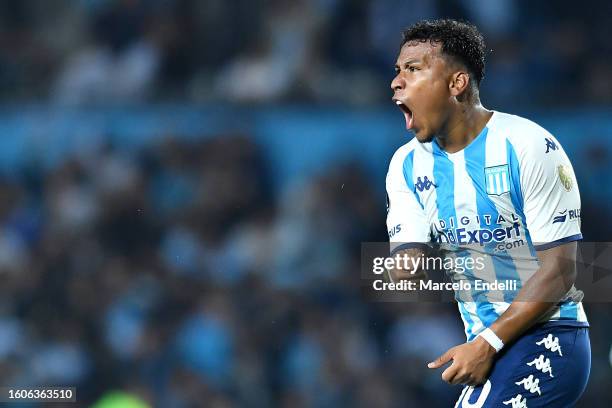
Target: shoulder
(404, 153)
(523, 134)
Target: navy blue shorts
(548, 366)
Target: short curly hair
(460, 40)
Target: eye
(411, 68)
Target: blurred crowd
(258, 51)
(174, 273)
(175, 276)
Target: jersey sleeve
(550, 193)
(406, 222)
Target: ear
(460, 81)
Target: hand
(397, 274)
(472, 362)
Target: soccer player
(489, 184)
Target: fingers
(397, 275)
(443, 359)
(476, 381)
(457, 373)
(463, 370)
(450, 374)
(472, 381)
(454, 375)
(466, 379)
(463, 377)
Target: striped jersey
(510, 192)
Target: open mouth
(407, 114)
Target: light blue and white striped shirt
(510, 192)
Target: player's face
(421, 89)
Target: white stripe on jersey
(529, 182)
(425, 160)
(465, 204)
(496, 155)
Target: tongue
(409, 120)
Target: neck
(464, 123)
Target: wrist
(489, 337)
(483, 346)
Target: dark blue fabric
(520, 377)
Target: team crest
(565, 175)
(497, 179)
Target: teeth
(398, 102)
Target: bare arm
(540, 293)
(473, 360)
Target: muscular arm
(540, 293)
(472, 361)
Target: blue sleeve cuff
(558, 242)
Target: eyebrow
(409, 61)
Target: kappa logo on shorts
(542, 364)
(531, 384)
(551, 344)
(517, 402)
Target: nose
(398, 83)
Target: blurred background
(185, 185)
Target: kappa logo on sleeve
(423, 184)
(550, 145)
